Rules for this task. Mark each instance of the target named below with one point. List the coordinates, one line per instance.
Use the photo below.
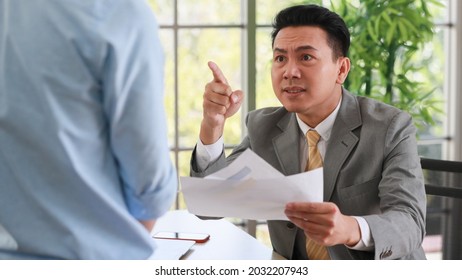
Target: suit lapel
(286, 145)
(342, 141)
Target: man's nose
(291, 71)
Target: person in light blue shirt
(84, 160)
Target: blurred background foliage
(387, 54)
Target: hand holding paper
(250, 188)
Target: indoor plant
(386, 36)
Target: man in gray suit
(374, 197)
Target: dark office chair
(443, 185)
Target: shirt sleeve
(133, 102)
(366, 243)
(206, 154)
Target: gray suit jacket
(371, 169)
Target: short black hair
(338, 36)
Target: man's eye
(279, 58)
(306, 57)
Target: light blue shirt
(83, 138)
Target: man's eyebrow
(307, 47)
(280, 50)
(301, 48)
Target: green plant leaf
(391, 33)
(387, 37)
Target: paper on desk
(250, 188)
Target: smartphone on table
(198, 237)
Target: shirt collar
(324, 128)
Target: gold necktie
(314, 250)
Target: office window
(434, 141)
(194, 32)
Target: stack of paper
(250, 188)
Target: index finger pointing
(217, 74)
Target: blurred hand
(220, 102)
(324, 223)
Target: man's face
(305, 77)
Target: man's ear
(344, 69)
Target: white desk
(227, 242)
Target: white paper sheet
(171, 249)
(250, 188)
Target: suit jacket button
(290, 225)
(385, 254)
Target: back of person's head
(313, 15)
